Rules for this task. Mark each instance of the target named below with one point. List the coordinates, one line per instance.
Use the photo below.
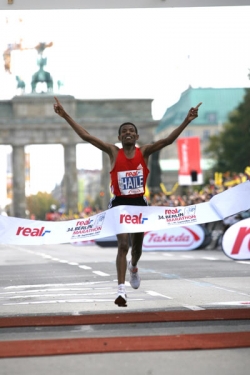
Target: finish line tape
(124, 219)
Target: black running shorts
(120, 201)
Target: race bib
(131, 182)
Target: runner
(129, 174)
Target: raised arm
(158, 145)
(83, 133)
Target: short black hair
(127, 123)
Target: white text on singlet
(131, 182)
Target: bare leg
(121, 259)
(137, 240)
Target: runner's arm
(158, 145)
(83, 133)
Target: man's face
(128, 134)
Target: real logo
(132, 219)
(132, 174)
(33, 232)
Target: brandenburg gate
(29, 119)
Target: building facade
(217, 104)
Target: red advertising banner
(190, 172)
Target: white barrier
(124, 219)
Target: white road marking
(55, 259)
(243, 261)
(87, 292)
(58, 295)
(232, 303)
(155, 294)
(209, 258)
(100, 273)
(52, 290)
(85, 267)
(193, 308)
(167, 255)
(68, 301)
(59, 284)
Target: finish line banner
(124, 219)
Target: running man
(133, 159)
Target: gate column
(70, 178)
(18, 167)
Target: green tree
(40, 203)
(230, 149)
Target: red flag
(189, 157)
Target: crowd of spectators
(192, 195)
(174, 200)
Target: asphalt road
(74, 280)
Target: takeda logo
(236, 240)
(132, 219)
(175, 238)
(32, 232)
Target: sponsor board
(236, 241)
(173, 239)
(178, 238)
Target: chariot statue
(42, 75)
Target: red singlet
(129, 176)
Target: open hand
(58, 108)
(193, 112)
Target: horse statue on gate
(20, 84)
(41, 75)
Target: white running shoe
(121, 299)
(134, 276)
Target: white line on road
(53, 285)
(100, 273)
(59, 295)
(231, 303)
(55, 259)
(194, 308)
(155, 294)
(85, 267)
(52, 290)
(243, 262)
(167, 255)
(68, 301)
